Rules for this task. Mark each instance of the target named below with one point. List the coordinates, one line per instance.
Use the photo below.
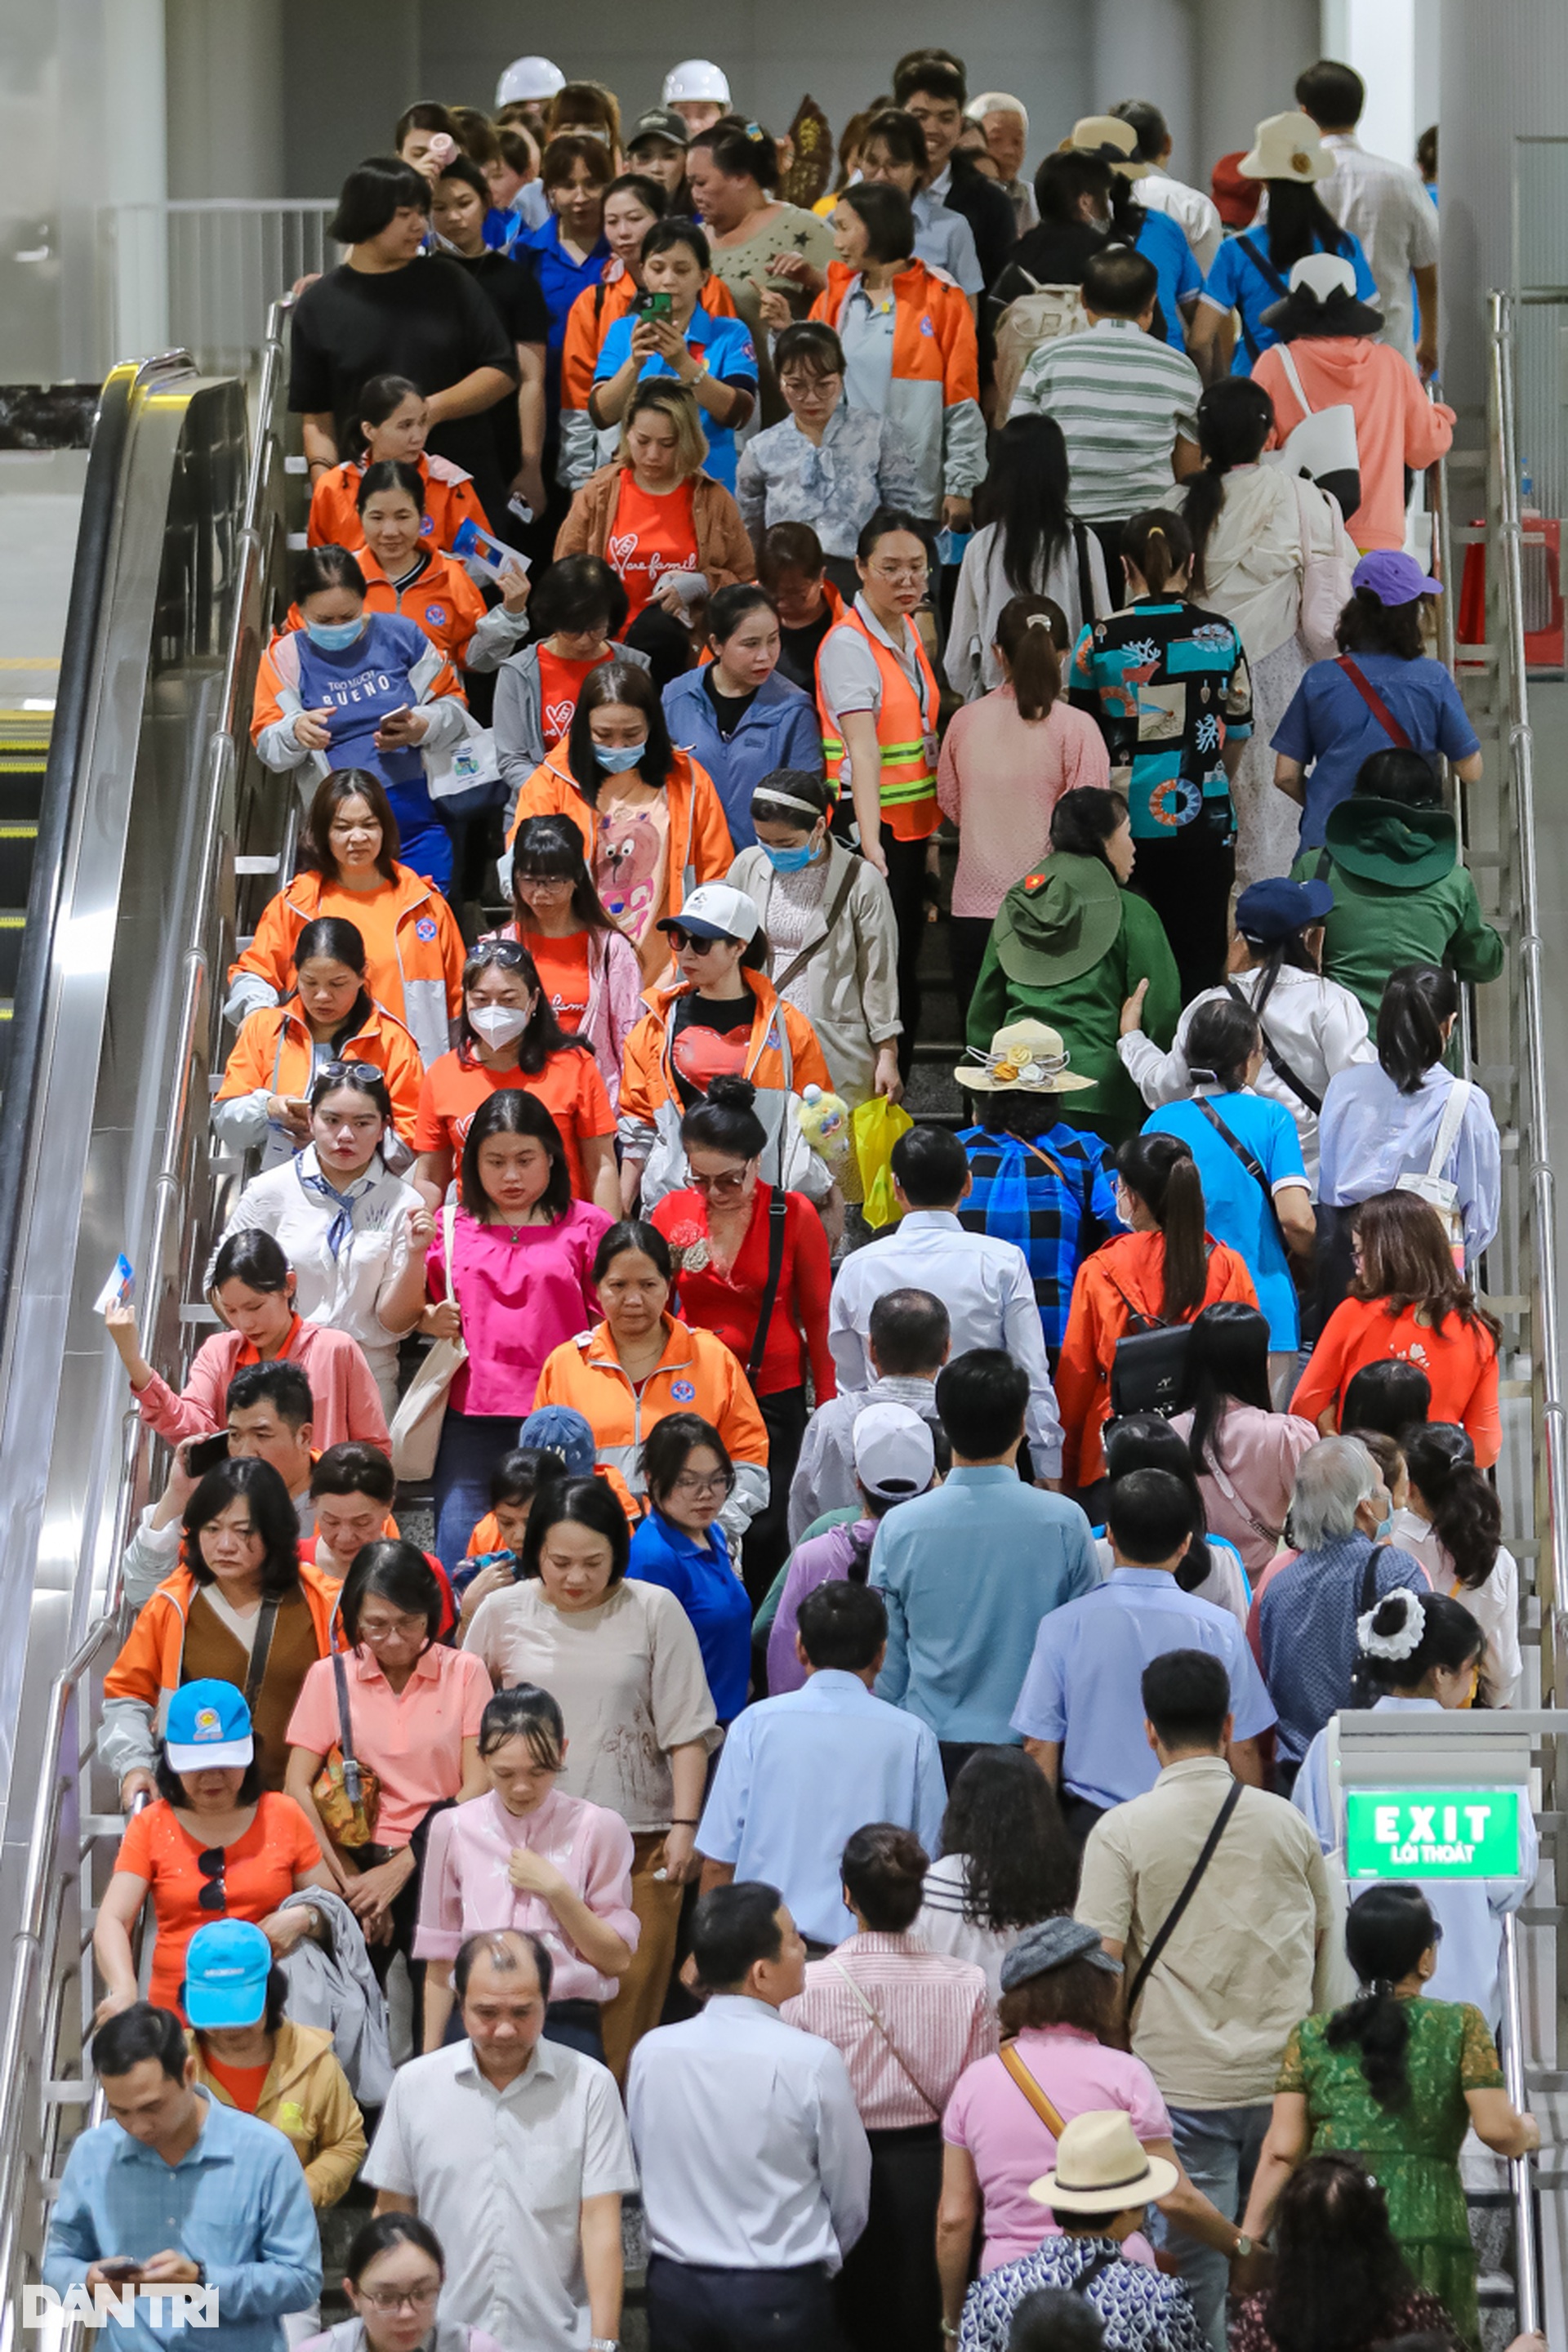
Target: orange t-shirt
(569, 1086)
(563, 969)
(244, 2084)
(560, 684)
(649, 537)
(1460, 1362)
(260, 1871)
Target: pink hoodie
(1396, 424)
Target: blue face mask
(614, 759)
(787, 861)
(1385, 1529)
(333, 637)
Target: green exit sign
(1433, 1832)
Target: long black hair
(273, 1519)
(1024, 493)
(1417, 999)
(1388, 1930)
(1340, 2278)
(1228, 1360)
(619, 681)
(550, 850)
(1235, 417)
(1020, 1865)
(1145, 1441)
(1461, 1503)
(1222, 1038)
(1161, 1171)
(1299, 222)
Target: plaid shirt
(1018, 1197)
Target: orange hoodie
(1132, 1268)
(1396, 426)
(414, 950)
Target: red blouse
(728, 1304)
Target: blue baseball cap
(207, 1727)
(226, 1968)
(1394, 577)
(556, 1428)
(1278, 910)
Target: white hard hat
(696, 80)
(529, 78)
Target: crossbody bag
(813, 947)
(1173, 1917)
(1375, 703)
(1249, 1161)
(1364, 1690)
(778, 1216)
(902, 2064)
(1273, 1057)
(1046, 2111)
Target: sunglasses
(364, 1074)
(213, 1895)
(685, 943)
(508, 951)
(730, 1181)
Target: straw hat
(1289, 147)
(1101, 2168)
(1107, 136)
(1024, 1058)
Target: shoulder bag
(1047, 2113)
(1375, 703)
(1364, 1690)
(1325, 583)
(1148, 1369)
(1430, 1184)
(902, 2064)
(778, 1216)
(1173, 1917)
(813, 947)
(1273, 1057)
(347, 1793)
(1249, 1161)
(416, 1425)
(1323, 446)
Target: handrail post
(1526, 2254)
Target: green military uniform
(1400, 897)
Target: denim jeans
(471, 1445)
(1220, 2148)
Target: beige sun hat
(1288, 147)
(1105, 134)
(1101, 2168)
(1024, 1058)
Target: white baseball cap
(695, 81)
(716, 910)
(895, 1455)
(529, 78)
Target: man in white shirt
(985, 1284)
(514, 2150)
(1382, 203)
(1195, 214)
(757, 2170)
(908, 1339)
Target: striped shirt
(937, 2012)
(1120, 399)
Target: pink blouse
(466, 1890)
(342, 1387)
(522, 1290)
(999, 777)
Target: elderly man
(514, 2150)
(1339, 1515)
(1004, 120)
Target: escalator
(24, 758)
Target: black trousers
(695, 2309)
(966, 940)
(1187, 881)
(1078, 1816)
(888, 2293)
(955, 1754)
(767, 1544)
(1110, 537)
(907, 888)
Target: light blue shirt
(751, 2153)
(1083, 1690)
(967, 1573)
(866, 327)
(944, 240)
(1467, 1910)
(1234, 1209)
(798, 1775)
(1370, 1135)
(237, 2202)
(731, 359)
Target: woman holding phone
(671, 331)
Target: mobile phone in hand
(654, 306)
(206, 1453)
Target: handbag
(1173, 1917)
(1323, 446)
(463, 777)
(1148, 1369)
(1430, 1185)
(416, 1425)
(347, 1793)
(1325, 583)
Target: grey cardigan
(852, 980)
(519, 719)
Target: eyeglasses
(896, 572)
(390, 2299)
(498, 951)
(715, 1482)
(721, 1187)
(364, 1074)
(685, 943)
(213, 1895)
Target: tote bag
(416, 1425)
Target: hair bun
(731, 1093)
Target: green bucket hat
(1390, 842)
(1060, 921)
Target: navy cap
(1278, 910)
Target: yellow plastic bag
(876, 1125)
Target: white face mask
(498, 1024)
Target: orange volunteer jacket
(934, 394)
(148, 1666)
(905, 734)
(697, 1373)
(421, 983)
(1123, 1278)
(273, 1054)
(450, 500)
(699, 845)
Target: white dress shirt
(500, 2177)
(1317, 1026)
(745, 2128)
(989, 1293)
(1386, 205)
(1195, 215)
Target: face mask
(787, 861)
(498, 1024)
(333, 637)
(1385, 1529)
(614, 760)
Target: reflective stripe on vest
(907, 777)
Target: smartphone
(654, 306)
(120, 2266)
(206, 1453)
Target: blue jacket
(781, 730)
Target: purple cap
(1394, 577)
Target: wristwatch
(605, 2344)
(1242, 2247)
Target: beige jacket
(306, 2097)
(852, 984)
(724, 554)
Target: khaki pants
(635, 2010)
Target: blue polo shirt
(1330, 729)
(1162, 242)
(705, 1583)
(1235, 1210)
(731, 359)
(560, 280)
(967, 1573)
(1245, 278)
(1083, 1690)
(799, 1774)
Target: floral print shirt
(1168, 684)
(863, 463)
